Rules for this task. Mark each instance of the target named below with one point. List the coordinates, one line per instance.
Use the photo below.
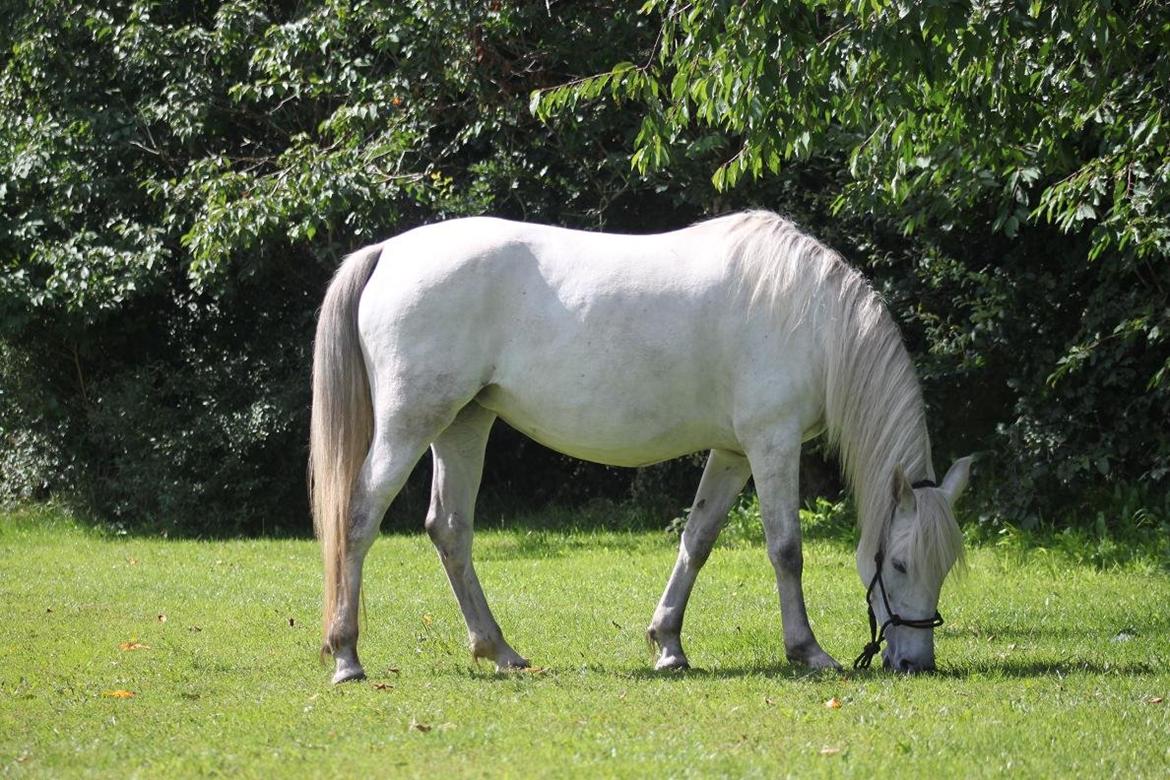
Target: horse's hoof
(672, 663)
(516, 665)
(511, 662)
(348, 673)
(821, 661)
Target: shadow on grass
(1049, 668)
(1000, 668)
(1133, 627)
(780, 672)
(770, 671)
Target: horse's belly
(619, 430)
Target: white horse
(739, 335)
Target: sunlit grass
(1048, 667)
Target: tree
(1022, 149)
(180, 181)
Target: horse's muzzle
(907, 666)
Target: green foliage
(1003, 169)
(179, 182)
(1136, 534)
(821, 518)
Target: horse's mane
(874, 414)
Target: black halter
(877, 635)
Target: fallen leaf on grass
(133, 644)
(829, 750)
(422, 727)
(393, 670)
(1155, 700)
(427, 620)
(833, 704)
(132, 561)
(534, 670)
(768, 701)
(381, 686)
(292, 622)
(119, 694)
(162, 618)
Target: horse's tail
(342, 420)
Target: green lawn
(1047, 667)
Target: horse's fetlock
(340, 638)
(482, 647)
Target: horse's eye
(899, 566)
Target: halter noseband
(877, 635)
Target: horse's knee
(697, 544)
(786, 555)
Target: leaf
(1155, 700)
(833, 704)
(830, 750)
(133, 644)
(119, 694)
(381, 686)
(420, 727)
(162, 618)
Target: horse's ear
(903, 490)
(955, 482)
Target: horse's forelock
(935, 542)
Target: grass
(1049, 667)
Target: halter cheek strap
(877, 635)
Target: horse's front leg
(776, 466)
(723, 478)
(458, 466)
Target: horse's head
(918, 547)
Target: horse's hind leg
(458, 466)
(723, 479)
(394, 451)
